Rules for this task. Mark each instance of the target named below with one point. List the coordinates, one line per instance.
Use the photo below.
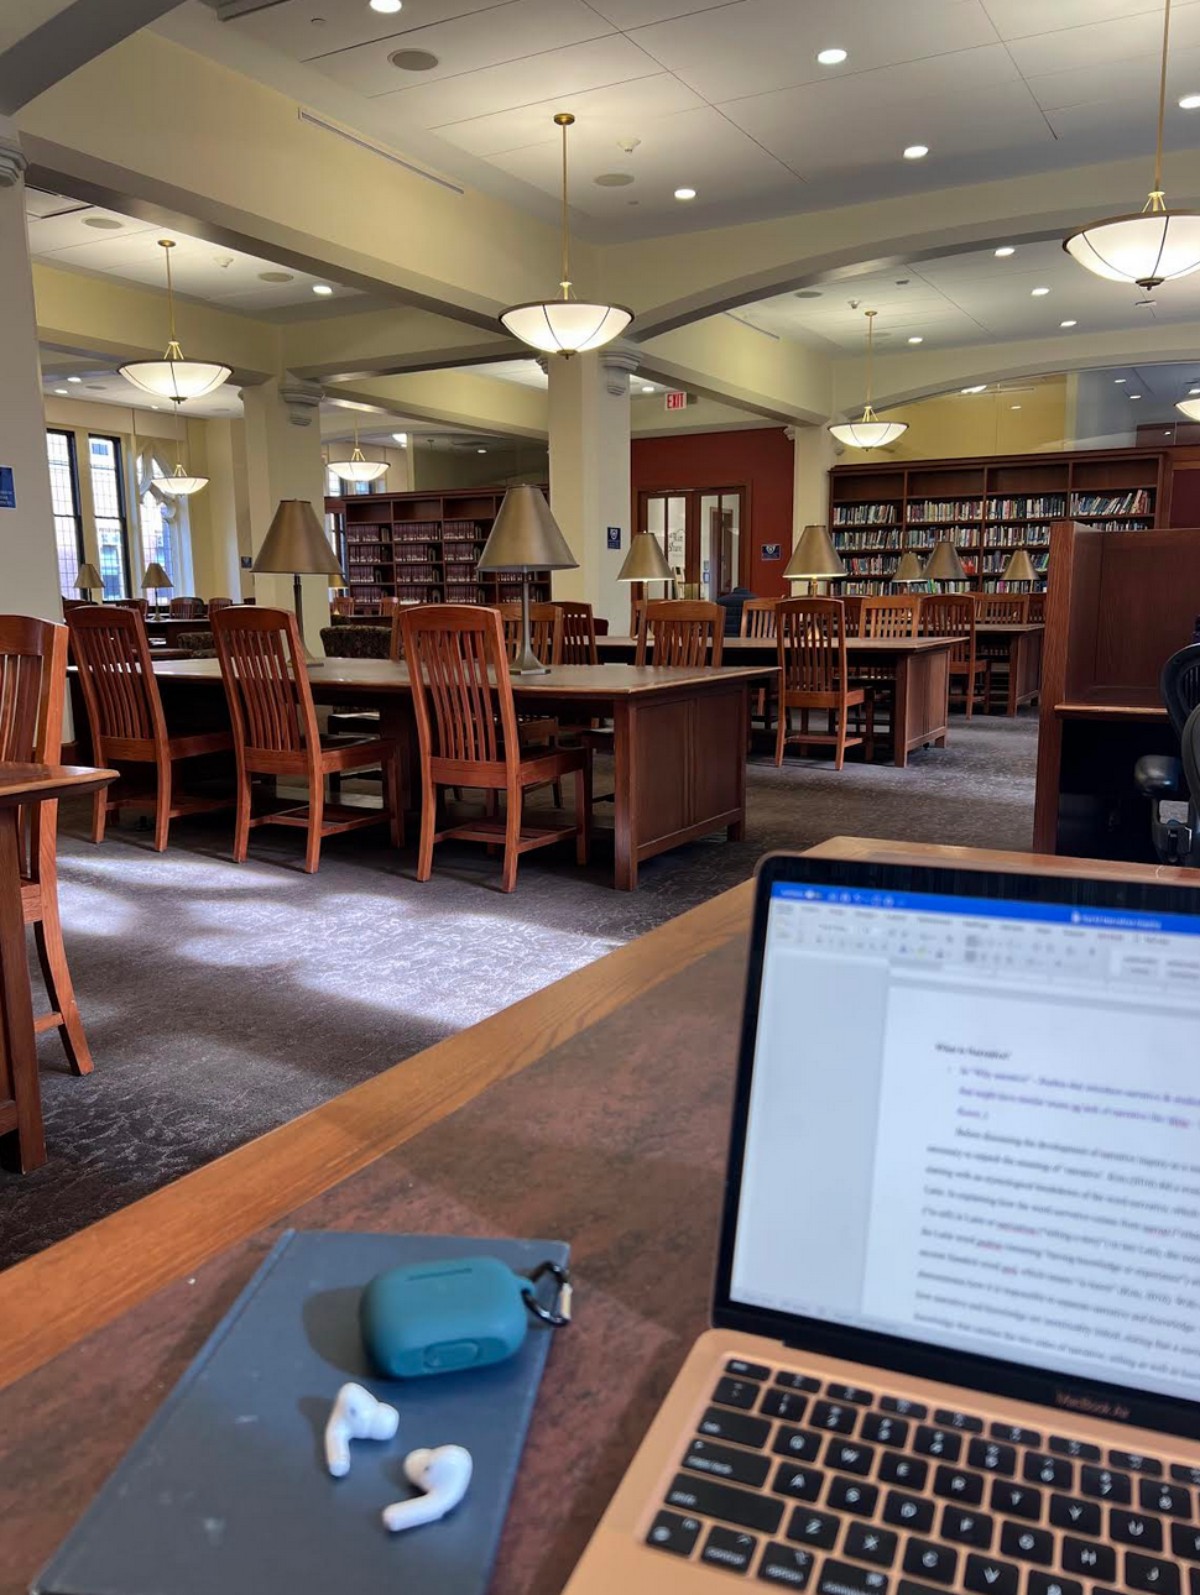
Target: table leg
(1014, 672)
(736, 830)
(625, 862)
(25, 1146)
(900, 711)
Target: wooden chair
(1001, 609)
(33, 686)
(889, 617)
(578, 635)
(811, 639)
(343, 605)
(468, 733)
(275, 733)
(186, 608)
(218, 603)
(680, 631)
(545, 630)
(1035, 613)
(125, 716)
(758, 620)
(953, 615)
(140, 605)
(853, 605)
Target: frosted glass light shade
(175, 378)
(1190, 408)
(868, 432)
(1148, 248)
(566, 326)
(179, 483)
(358, 468)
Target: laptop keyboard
(827, 1487)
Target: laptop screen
(974, 1123)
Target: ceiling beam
(77, 34)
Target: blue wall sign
(614, 537)
(8, 491)
(772, 550)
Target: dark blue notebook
(226, 1492)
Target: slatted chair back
(951, 615)
(758, 617)
(578, 634)
(1035, 613)
(33, 685)
(343, 605)
(266, 682)
(680, 631)
(218, 603)
(124, 710)
(186, 608)
(545, 629)
(462, 692)
(811, 638)
(140, 605)
(891, 617)
(1001, 609)
(389, 606)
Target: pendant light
(1156, 245)
(179, 483)
(869, 432)
(358, 468)
(565, 325)
(174, 377)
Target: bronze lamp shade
(1019, 568)
(88, 579)
(910, 570)
(944, 564)
(645, 561)
(154, 578)
(296, 545)
(525, 537)
(814, 558)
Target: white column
(589, 473)
(283, 460)
(28, 562)
(815, 453)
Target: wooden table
(596, 1110)
(22, 1138)
(1086, 800)
(919, 668)
(1020, 646)
(679, 735)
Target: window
(157, 542)
(64, 499)
(108, 499)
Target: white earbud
(356, 1415)
(443, 1474)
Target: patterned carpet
(222, 1001)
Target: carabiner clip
(560, 1315)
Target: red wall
(760, 461)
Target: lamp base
(528, 665)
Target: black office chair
(1164, 779)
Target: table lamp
(944, 565)
(909, 571)
(645, 562)
(814, 559)
(525, 537)
(1020, 568)
(295, 546)
(154, 578)
(88, 580)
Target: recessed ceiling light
(1005, 251)
(74, 379)
(401, 438)
(1014, 406)
(916, 340)
(646, 388)
(831, 57)
(1039, 293)
(1068, 323)
(62, 391)
(386, 6)
(807, 293)
(323, 289)
(979, 388)
(276, 276)
(685, 193)
(481, 451)
(613, 180)
(1135, 395)
(414, 60)
(916, 152)
(1190, 102)
(1120, 380)
(1192, 392)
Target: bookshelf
(423, 548)
(987, 507)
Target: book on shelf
(1026, 536)
(939, 510)
(1138, 501)
(864, 514)
(1052, 506)
(877, 537)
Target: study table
(22, 1139)
(596, 1110)
(919, 668)
(679, 740)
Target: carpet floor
(223, 1000)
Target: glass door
(666, 516)
(700, 530)
(720, 538)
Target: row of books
(369, 573)
(463, 592)
(992, 563)
(1137, 502)
(945, 509)
(1120, 526)
(878, 538)
(863, 514)
(1052, 505)
(371, 550)
(1010, 537)
(422, 595)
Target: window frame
(77, 504)
(122, 515)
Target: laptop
(956, 1341)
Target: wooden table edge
(879, 850)
(59, 1296)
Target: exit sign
(676, 399)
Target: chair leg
(512, 836)
(843, 720)
(162, 807)
(781, 735)
(47, 935)
(428, 828)
(583, 812)
(241, 824)
(316, 820)
(99, 815)
(869, 743)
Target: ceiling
(969, 299)
(529, 374)
(726, 96)
(68, 233)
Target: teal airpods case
(432, 1318)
